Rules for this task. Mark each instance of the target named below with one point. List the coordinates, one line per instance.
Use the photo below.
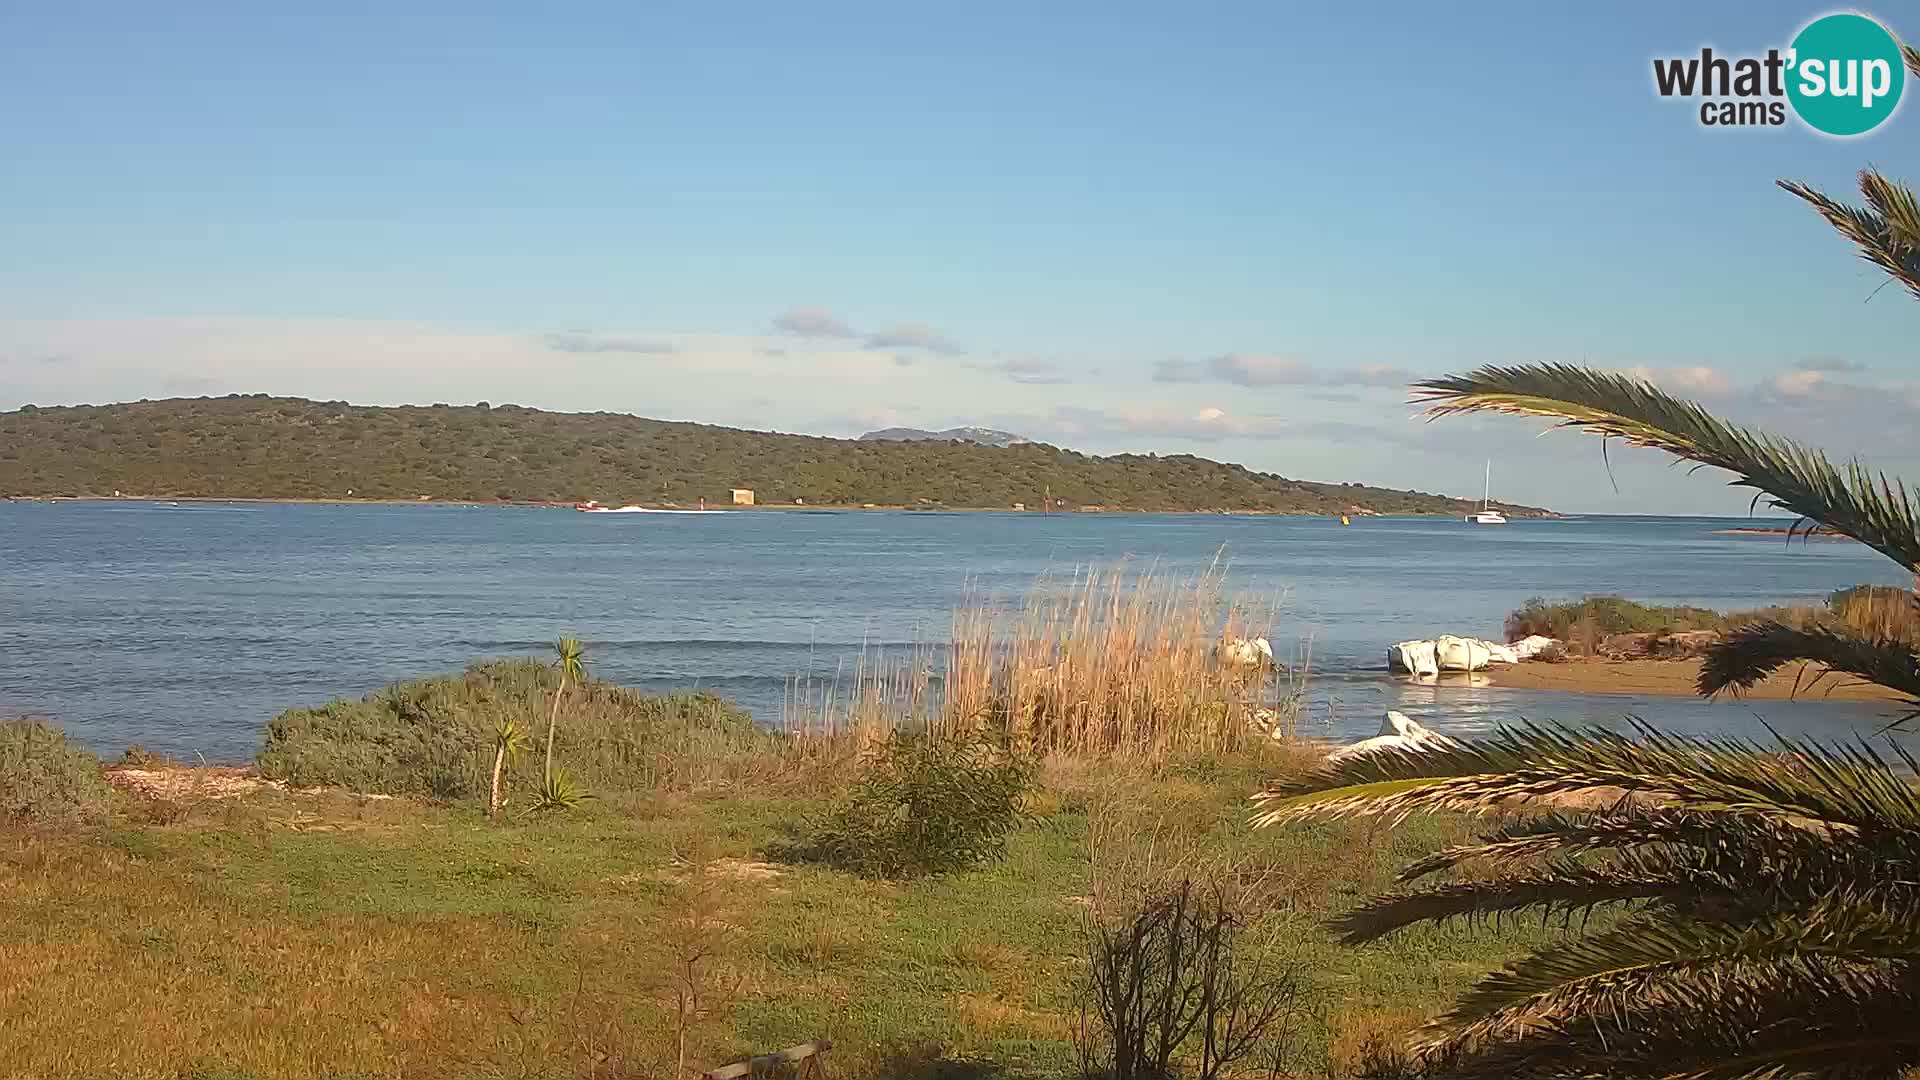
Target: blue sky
(1227, 229)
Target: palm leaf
(1648, 960)
(1810, 1018)
(1887, 231)
(1753, 652)
(1855, 500)
(1847, 786)
(1562, 889)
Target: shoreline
(723, 508)
(1676, 678)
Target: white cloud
(582, 341)
(911, 337)
(1697, 379)
(1251, 370)
(812, 322)
(1797, 383)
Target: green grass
(289, 934)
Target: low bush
(1606, 615)
(1582, 624)
(923, 805)
(42, 779)
(436, 736)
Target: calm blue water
(184, 628)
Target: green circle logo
(1845, 74)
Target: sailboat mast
(1486, 493)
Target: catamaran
(1487, 515)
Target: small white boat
(596, 508)
(1487, 515)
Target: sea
(184, 628)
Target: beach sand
(1676, 678)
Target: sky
(1230, 229)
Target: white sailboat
(1487, 515)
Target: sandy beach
(1676, 678)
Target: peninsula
(260, 447)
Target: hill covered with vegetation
(256, 446)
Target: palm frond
(1887, 230)
(1851, 498)
(1846, 786)
(1648, 960)
(1807, 1018)
(1623, 828)
(1751, 653)
(1563, 889)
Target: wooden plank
(758, 1064)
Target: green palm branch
(1851, 498)
(1763, 898)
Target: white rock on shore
(1398, 731)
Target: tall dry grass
(1122, 660)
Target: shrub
(1173, 978)
(437, 736)
(42, 779)
(924, 805)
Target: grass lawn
(327, 934)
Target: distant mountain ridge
(260, 447)
(978, 435)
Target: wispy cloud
(1696, 379)
(1831, 364)
(1255, 370)
(911, 336)
(1025, 370)
(812, 322)
(585, 341)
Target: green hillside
(266, 447)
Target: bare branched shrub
(1183, 979)
(700, 941)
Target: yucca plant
(509, 742)
(559, 791)
(1765, 898)
(570, 661)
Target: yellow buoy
(1344, 521)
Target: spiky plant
(570, 661)
(1765, 900)
(559, 791)
(509, 742)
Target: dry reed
(1124, 660)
